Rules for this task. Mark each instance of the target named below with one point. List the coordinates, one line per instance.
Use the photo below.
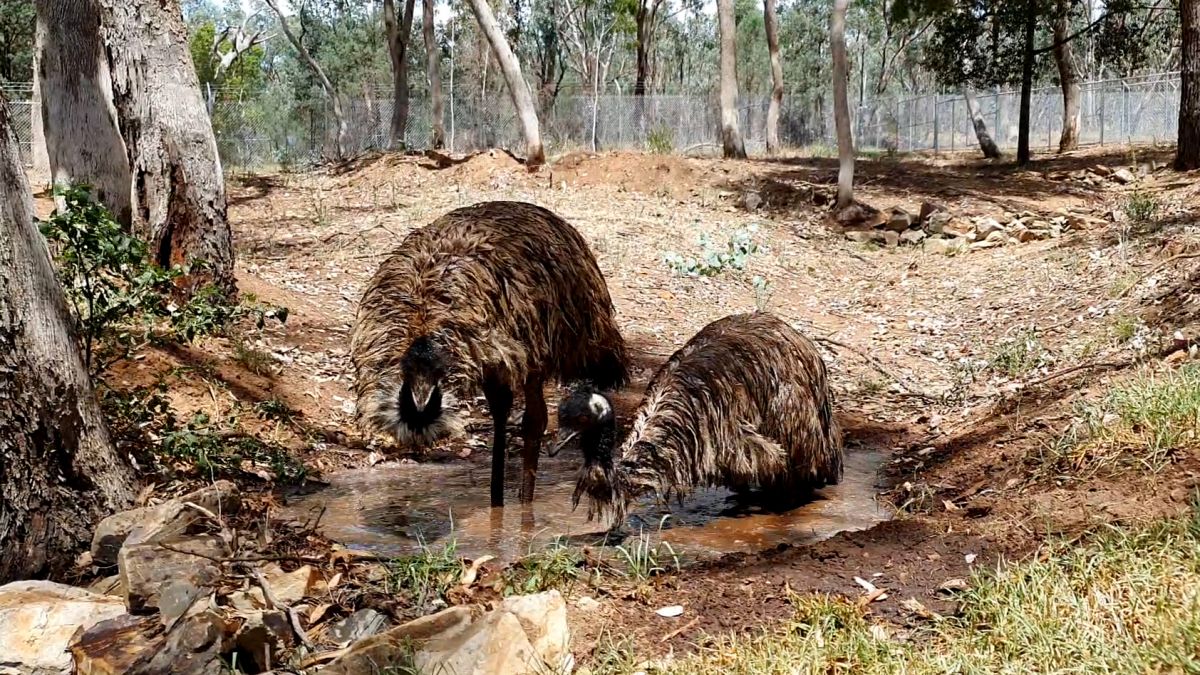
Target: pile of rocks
(1101, 175)
(938, 230)
(188, 598)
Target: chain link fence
(273, 128)
(20, 108)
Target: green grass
(1125, 602)
(1018, 356)
(1143, 422)
(643, 558)
(427, 575)
(556, 566)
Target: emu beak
(422, 391)
(561, 442)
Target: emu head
(419, 410)
(587, 415)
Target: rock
(263, 635)
(751, 200)
(912, 237)
(927, 211)
(998, 236)
(888, 238)
(164, 521)
(1124, 176)
(1025, 234)
(291, 587)
(108, 586)
(148, 570)
(936, 222)
(543, 616)
(945, 246)
(1102, 170)
(361, 624)
(494, 645)
(137, 646)
(957, 228)
(39, 619)
(984, 227)
(587, 604)
(394, 648)
(899, 220)
(860, 236)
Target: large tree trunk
(981, 131)
(535, 154)
(1023, 154)
(771, 23)
(841, 105)
(59, 472)
(38, 155)
(1067, 77)
(433, 68)
(178, 192)
(731, 135)
(398, 37)
(335, 101)
(83, 140)
(1187, 152)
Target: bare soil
(966, 473)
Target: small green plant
(1017, 356)
(734, 253)
(276, 409)
(556, 566)
(614, 656)
(427, 575)
(252, 359)
(1141, 208)
(762, 293)
(644, 558)
(661, 140)
(1144, 422)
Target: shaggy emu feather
(744, 403)
(498, 297)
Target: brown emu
(498, 297)
(745, 403)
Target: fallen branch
(878, 365)
(1093, 365)
(246, 559)
(678, 631)
(1159, 266)
(293, 618)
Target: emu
(500, 297)
(745, 403)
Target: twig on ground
(682, 629)
(1091, 365)
(1152, 270)
(290, 611)
(307, 560)
(878, 365)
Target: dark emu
(745, 403)
(499, 297)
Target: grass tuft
(426, 576)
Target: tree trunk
(517, 87)
(83, 140)
(178, 194)
(335, 102)
(1187, 152)
(771, 23)
(1067, 77)
(60, 471)
(981, 131)
(731, 136)
(433, 68)
(398, 37)
(841, 105)
(37, 150)
(1027, 62)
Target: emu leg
(532, 429)
(499, 398)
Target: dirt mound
(651, 174)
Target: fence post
(936, 141)
(1102, 88)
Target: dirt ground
(917, 331)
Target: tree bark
(433, 68)
(59, 472)
(986, 144)
(83, 139)
(37, 150)
(841, 105)
(1187, 152)
(732, 144)
(771, 23)
(535, 154)
(178, 193)
(1067, 77)
(1027, 61)
(335, 101)
(398, 37)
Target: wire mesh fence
(20, 108)
(274, 127)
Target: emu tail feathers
(609, 371)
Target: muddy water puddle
(394, 509)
